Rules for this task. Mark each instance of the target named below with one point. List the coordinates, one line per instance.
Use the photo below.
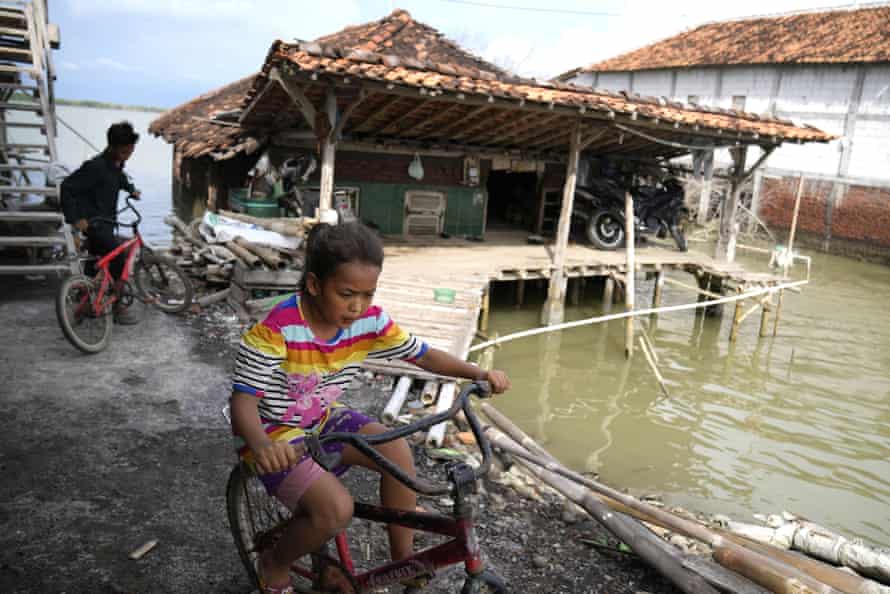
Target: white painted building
(828, 69)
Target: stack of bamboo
(252, 267)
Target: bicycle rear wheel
(74, 309)
(164, 283)
(256, 520)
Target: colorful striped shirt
(297, 376)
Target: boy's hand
(498, 380)
(277, 456)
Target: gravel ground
(100, 454)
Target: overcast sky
(165, 52)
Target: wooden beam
(511, 129)
(515, 137)
(485, 122)
(297, 95)
(543, 140)
(381, 109)
(726, 241)
(255, 101)
(456, 124)
(328, 154)
(593, 137)
(630, 277)
(347, 112)
(400, 117)
(443, 114)
(766, 153)
(522, 139)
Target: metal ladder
(28, 144)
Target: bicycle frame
(463, 546)
(132, 246)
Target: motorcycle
(658, 209)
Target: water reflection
(798, 422)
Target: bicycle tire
(89, 333)
(255, 519)
(162, 282)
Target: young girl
(290, 372)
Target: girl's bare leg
(325, 509)
(392, 493)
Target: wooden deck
(413, 268)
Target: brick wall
(393, 169)
(861, 214)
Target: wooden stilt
(778, 312)
(608, 293)
(631, 273)
(764, 321)
(554, 308)
(659, 286)
(736, 322)
(520, 292)
(575, 291)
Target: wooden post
(790, 250)
(764, 321)
(608, 294)
(704, 200)
(575, 291)
(328, 153)
(736, 322)
(520, 292)
(729, 228)
(630, 274)
(554, 308)
(483, 314)
(659, 286)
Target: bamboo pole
(436, 435)
(483, 314)
(736, 321)
(248, 257)
(293, 229)
(761, 569)
(520, 292)
(608, 293)
(214, 297)
(790, 250)
(396, 401)
(429, 392)
(764, 322)
(651, 361)
(638, 312)
(630, 288)
(700, 291)
(269, 256)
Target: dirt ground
(100, 454)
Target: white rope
(636, 312)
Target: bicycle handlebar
(364, 443)
(129, 206)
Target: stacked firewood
(238, 270)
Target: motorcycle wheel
(605, 230)
(677, 230)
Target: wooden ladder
(28, 142)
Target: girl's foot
(272, 581)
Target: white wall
(818, 95)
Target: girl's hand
(277, 456)
(498, 380)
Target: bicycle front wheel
(80, 324)
(257, 520)
(163, 283)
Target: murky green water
(800, 422)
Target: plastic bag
(415, 169)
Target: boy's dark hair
(328, 246)
(121, 134)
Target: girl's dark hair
(121, 134)
(328, 246)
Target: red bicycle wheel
(82, 326)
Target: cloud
(110, 64)
(642, 22)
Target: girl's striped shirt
(298, 377)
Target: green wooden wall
(384, 205)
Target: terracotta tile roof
(824, 37)
(400, 35)
(190, 128)
(438, 79)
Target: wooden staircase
(32, 230)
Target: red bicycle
(257, 520)
(85, 302)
